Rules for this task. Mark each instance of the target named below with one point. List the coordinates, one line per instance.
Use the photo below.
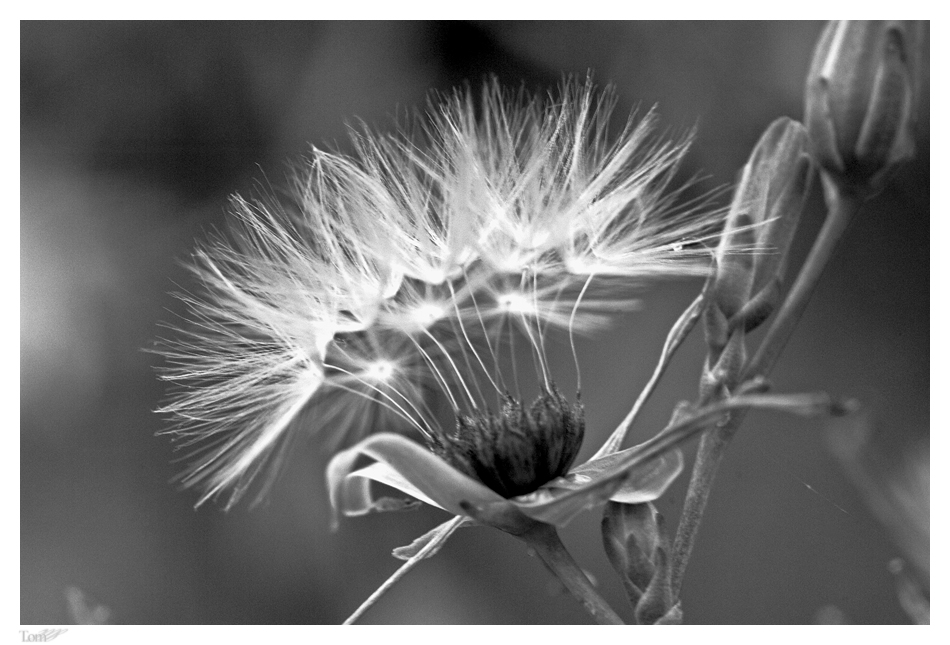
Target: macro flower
(407, 290)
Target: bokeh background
(133, 135)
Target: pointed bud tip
(861, 99)
(763, 216)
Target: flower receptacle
(519, 449)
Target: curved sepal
(406, 466)
(645, 483)
(618, 477)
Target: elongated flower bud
(751, 256)
(861, 99)
(764, 215)
(638, 548)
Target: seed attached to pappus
(519, 449)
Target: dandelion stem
(841, 211)
(543, 538)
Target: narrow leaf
(674, 339)
(557, 503)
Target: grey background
(132, 137)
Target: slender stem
(711, 450)
(544, 540)
(841, 211)
(842, 208)
(435, 543)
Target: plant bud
(518, 450)
(763, 216)
(861, 99)
(638, 548)
(631, 535)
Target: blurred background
(133, 135)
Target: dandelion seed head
(391, 290)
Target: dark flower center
(520, 449)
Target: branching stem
(842, 208)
